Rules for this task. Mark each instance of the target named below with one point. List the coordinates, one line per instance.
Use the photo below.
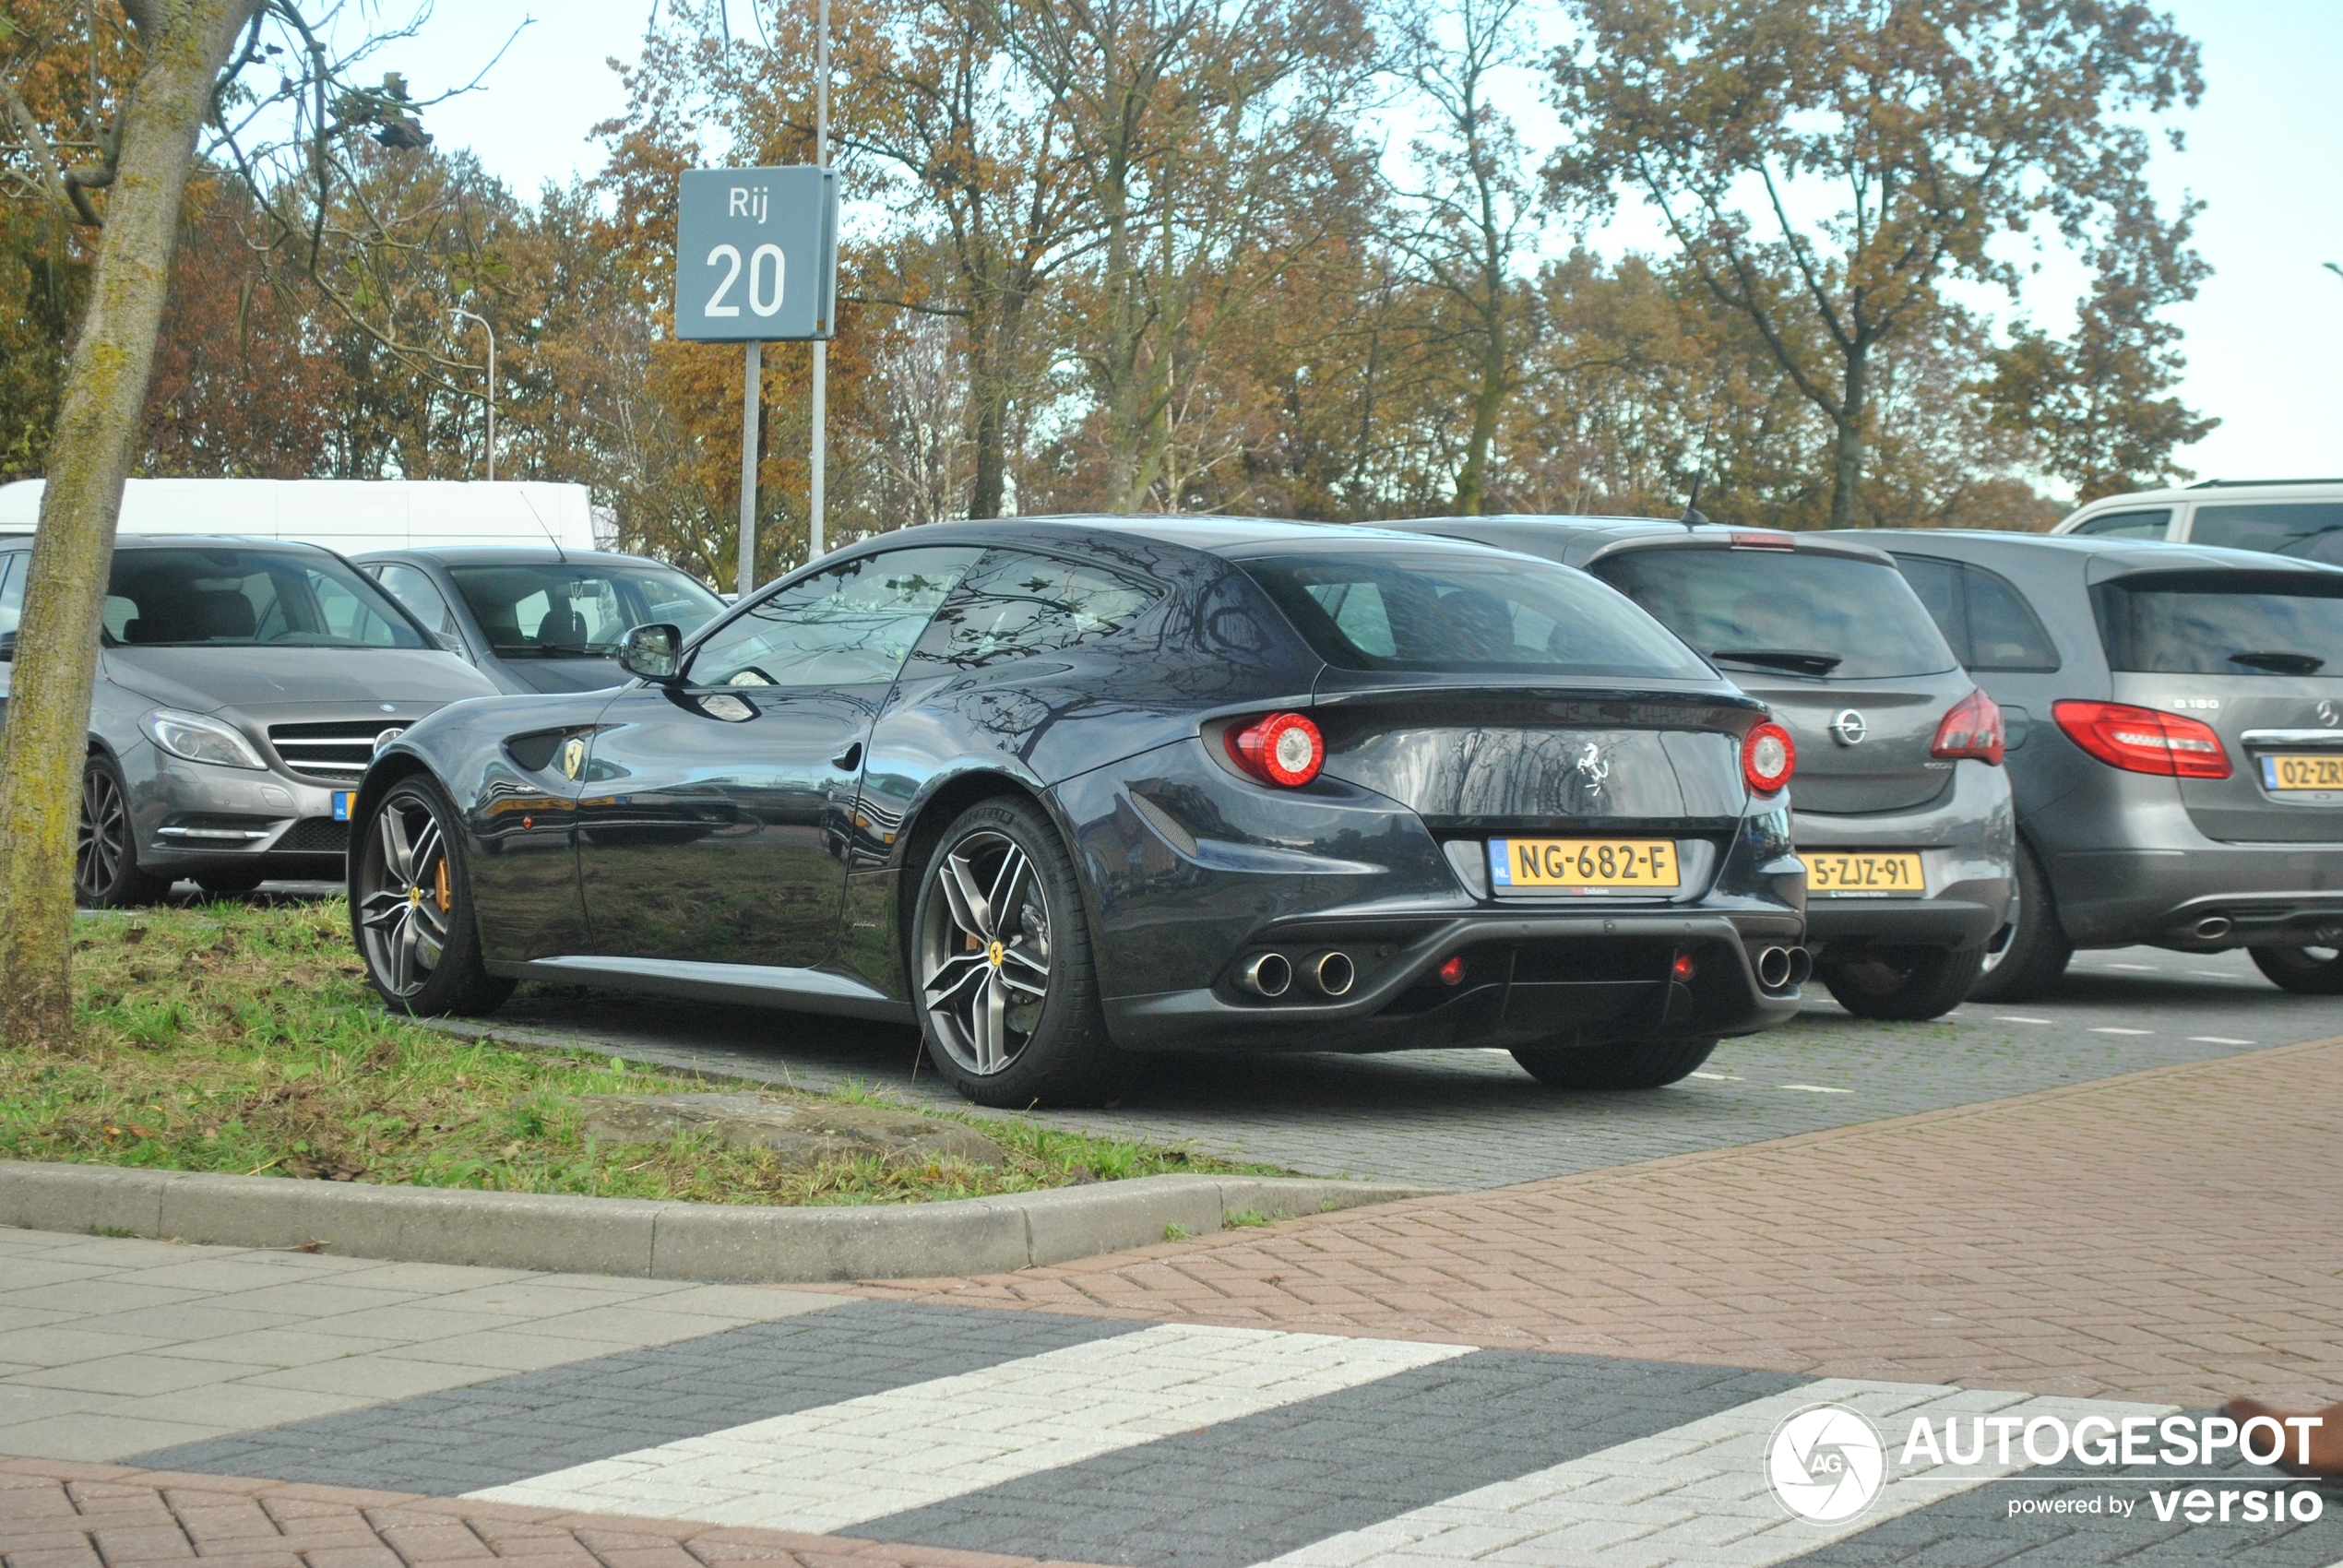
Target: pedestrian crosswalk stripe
(1695, 1493)
(824, 1469)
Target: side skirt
(755, 985)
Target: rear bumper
(1594, 976)
(1904, 922)
(2204, 899)
(1967, 840)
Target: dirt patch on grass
(242, 1038)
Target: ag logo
(1826, 1463)
(2328, 715)
(1848, 728)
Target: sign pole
(817, 499)
(751, 393)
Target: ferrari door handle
(850, 759)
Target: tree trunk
(1488, 402)
(1846, 480)
(186, 43)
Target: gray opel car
(242, 686)
(2175, 723)
(535, 618)
(1901, 811)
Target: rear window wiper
(1804, 661)
(2281, 663)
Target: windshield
(1792, 610)
(1440, 611)
(236, 597)
(551, 611)
(2222, 624)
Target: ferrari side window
(1014, 605)
(846, 625)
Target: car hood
(259, 679)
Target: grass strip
(242, 1038)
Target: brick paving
(58, 1513)
(2174, 1234)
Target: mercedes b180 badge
(1847, 727)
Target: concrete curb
(734, 1243)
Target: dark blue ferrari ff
(1060, 791)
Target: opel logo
(386, 736)
(1847, 727)
(2327, 716)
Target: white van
(347, 514)
(2284, 517)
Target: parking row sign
(757, 254)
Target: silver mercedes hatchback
(242, 687)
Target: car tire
(220, 883)
(1901, 984)
(1009, 997)
(1622, 1064)
(2302, 970)
(410, 906)
(105, 846)
(2026, 957)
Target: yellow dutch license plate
(2303, 772)
(1834, 872)
(1572, 865)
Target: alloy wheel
(405, 896)
(2004, 939)
(103, 841)
(985, 952)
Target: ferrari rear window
(1462, 611)
(2223, 623)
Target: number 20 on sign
(755, 253)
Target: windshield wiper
(1804, 661)
(2281, 663)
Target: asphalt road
(1469, 1118)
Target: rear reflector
(1284, 748)
(1768, 757)
(1973, 729)
(1680, 971)
(2140, 739)
(1452, 972)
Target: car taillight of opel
(1973, 729)
(2141, 740)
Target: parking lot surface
(1469, 1119)
(2121, 1203)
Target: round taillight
(1284, 748)
(1768, 757)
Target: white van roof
(346, 514)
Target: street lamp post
(466, 315)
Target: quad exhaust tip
(1267, 974)
(1780, 968)
(1330, 974)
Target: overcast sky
(2264, 338)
